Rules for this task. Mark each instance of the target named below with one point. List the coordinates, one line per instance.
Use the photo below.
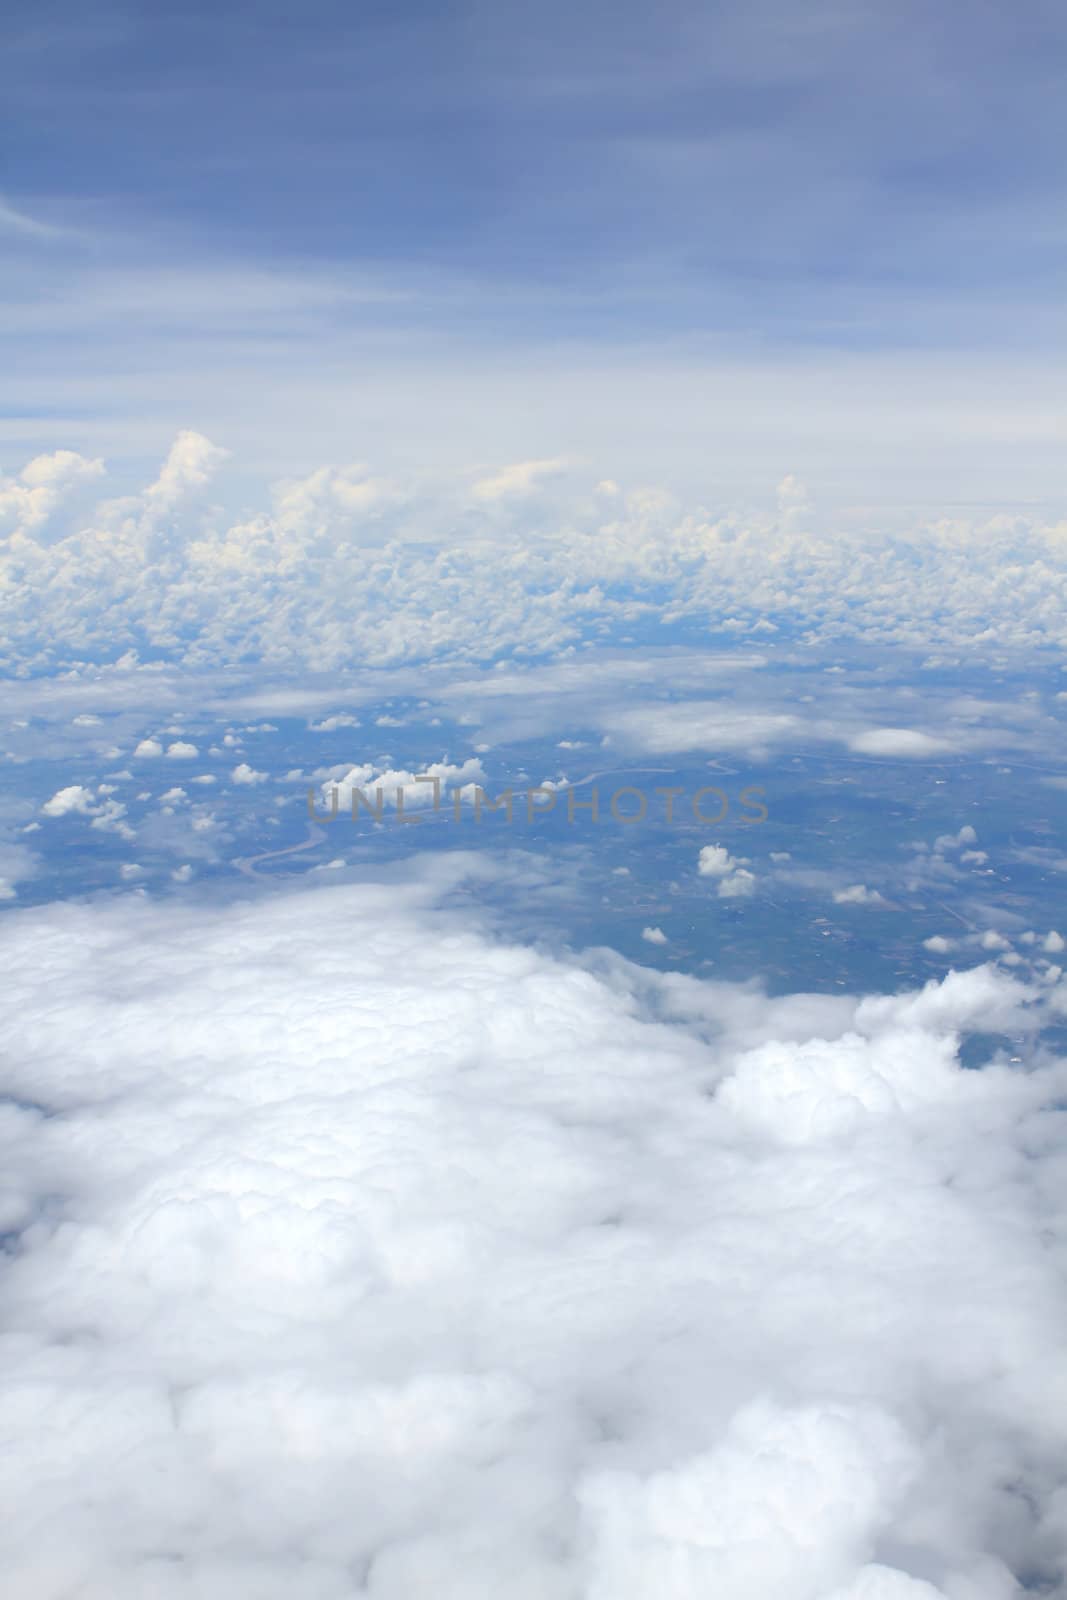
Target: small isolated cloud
(331, 724)
(899, 742)
(1054, 943)
(180, 751)
(72, 798)
(105, 813)
(653, 936)
(735, 881)
(715, 861)
(938, 945)
(248, 775)
(858, 894)
(149, 747)
(955, 841)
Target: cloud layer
(345, 567)
(353, 1251)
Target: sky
(589, 404)
(712, 244)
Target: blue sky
(515, 214)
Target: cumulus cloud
(189, 466)
(75, 797)
(28, 501)
(244, 774)
(105, 812)
(429, 787)
(734, 880)
(858, 894)
(436, 581)
(353, 1250)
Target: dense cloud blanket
(352, 1250)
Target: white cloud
(417, 795)
(331, 724)
(134, 569)
(352, 1241)
(738, 886)
(73, 798)
(28, 501)
(735, 881)
(858, 894)
(518, 480)
(181, 751)
(191, 463)
(653, 936)
(899, 742)
(149, 747)
(698, 725)
(715, 861)
(245, 774)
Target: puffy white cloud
(245, 774)
(858, 894)
(358, 1249)
(715, 861)
(653, 936)
(418, 793)
(28, 501)
(75, 797)
(149, 747)
(956, 841)
(780, 1506)
(331, 724)
(189, 466)
(180, 750)
(734, 880)
(437, 580)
